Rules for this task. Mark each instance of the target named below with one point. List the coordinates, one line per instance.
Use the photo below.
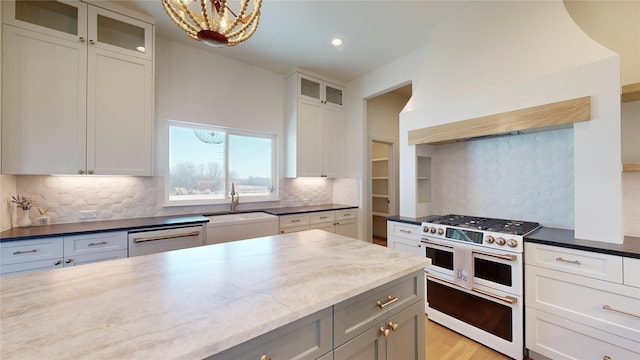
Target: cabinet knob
(80, 172)
(57, 262)
(384, 331)
(92, 42)
(393, 326)
(68, 261)
(265, 357)
(82, 39)
(90, 172)
(606, 357)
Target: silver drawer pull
(143, 239)
(405, 231)
(100, 243)
(390, 300)
(25, 252)
(296, 220)
(607, 307)
(323, 217)
(568, 261)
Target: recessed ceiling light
(336, 42)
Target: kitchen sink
(231, 227)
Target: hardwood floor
(379, 241)
(444, 344)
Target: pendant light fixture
(213, 22)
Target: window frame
(273, 196)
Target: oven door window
(490, 316)
(495, 272)
(440, 258)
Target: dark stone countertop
(566, 239)
(78, 228)
(24, 233)
(410, 220)
(292, 210)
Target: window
(204, 161)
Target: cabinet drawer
(346, 214)
(404, 230)
(631, 271)
(322, 217)
(355, 315)
(294, 220)
(95, 243)
(583, 300)
(14, 252)
(91, 258)
(559, 338)
(307, 338)
(584, 263)
(29, 267)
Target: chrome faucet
(235, 198)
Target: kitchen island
(190, 303)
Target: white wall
(191, 85)
(494, 57)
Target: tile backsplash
(524, 177)
(119, 197)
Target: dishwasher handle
(165, 237)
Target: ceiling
(297, 33)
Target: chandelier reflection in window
(209, 137)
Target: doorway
(381, 191)
(382, 185)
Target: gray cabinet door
(370, 345)
(407, 342)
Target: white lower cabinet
(404, 237)
(90, 248)
(25, 256)
(578, 306)
(342, 222)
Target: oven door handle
(435, 243)
(498, 256)
(506, 299)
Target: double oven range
(474, 284)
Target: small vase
(23, 218)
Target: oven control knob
(433, 230)
(512, 243)
(425, 229)
(440, 231)
(490, 239)
(501, 241)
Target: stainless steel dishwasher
(155, 240)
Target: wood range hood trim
(551, 116)
(630, 92)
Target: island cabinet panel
(383, 342)
(307, 338)
(356, 315)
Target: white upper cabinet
(77, 90)
(314, 128)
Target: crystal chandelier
(213, 22)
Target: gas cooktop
(503, 226)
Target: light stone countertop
(191, 303)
